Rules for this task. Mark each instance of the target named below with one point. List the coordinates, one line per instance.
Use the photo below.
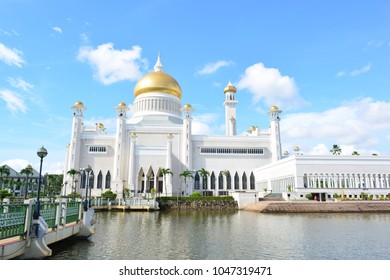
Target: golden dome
(122, 105)
(274, 108)
(78, 104)
(158, 82)
(187, 106)
(100, 126)
(230, 88)
(252, 128)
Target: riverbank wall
(320, 207)
(198, 204)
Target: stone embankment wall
(198, 204)
(318, 207)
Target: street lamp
(42, 152)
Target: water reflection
(231, 235)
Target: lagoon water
(231, 235)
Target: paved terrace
(318, 207)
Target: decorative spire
(158, 67)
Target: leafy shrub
(109, 195)
(309, 196)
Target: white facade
(325, 176)
(158, 136)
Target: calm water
(231, 235)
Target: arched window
(220, 181)
(83, 180)
(244, 182)
(197, 181)
(212, 180)
(108, 180)
(236, 181)
(252, 181)
(100, 180)
(229, 181)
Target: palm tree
(336, 150)
(72, 172)
(186, 174)
(4, 170)
(165, 172)
(204, 173)
(28, 171)
(355, 153)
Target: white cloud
(57, 29)
(14, 101)
(205, 124)
(19, 83)
(360, 125)
(269, 86)
(355, 72)
(11, 56)
(49, 167)
(213, 67)
(111, 65)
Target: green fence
(12, 220)
(72, 212)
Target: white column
(169, 163)
(131, 176)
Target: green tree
(204, 173)
(186, 174)
(4, 170)
(53, 184)
(27, 171)
(336, 150)
(355, 153)
(164, 172)
(73, 172)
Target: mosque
(152, 148)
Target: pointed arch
(149, 179)
(108, 180)
(100, 180)
(236, 181)
(229, 181)
(244, 182)
(141, 181)
(197, 181)
(252, 181)
(83, 179)
(160, 179)
(212, 181)
(220, 181)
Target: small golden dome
(230, 88)
(158, 82)
(122, 105)
(100, 126)
(78, 104)
(274, 108)
(252, 128)
(187, 106)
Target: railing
(12, 220)
(15, 218)
(140, 202)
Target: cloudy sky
(326, 64)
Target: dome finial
(158, 67)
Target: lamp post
(88, 169)
(42, 152)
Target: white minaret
(187, 110)
(276, 146)
(73, 153)
(230, 109)
(118, 177)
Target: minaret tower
(187, 110)
(230, 109)
(276, 146)
(73, 153)
(121, 110)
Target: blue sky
(326, 64)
